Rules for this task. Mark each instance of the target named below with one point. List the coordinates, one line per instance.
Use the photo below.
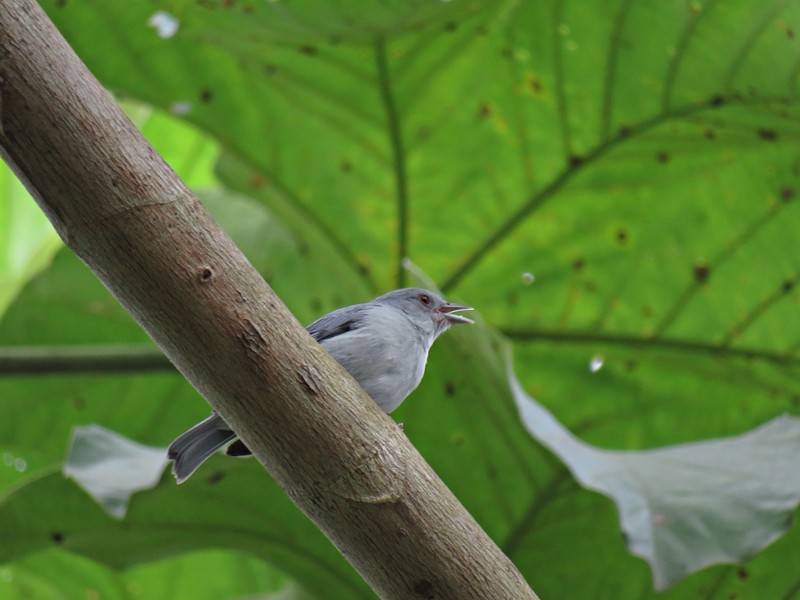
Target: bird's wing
(338, 322)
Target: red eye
(425, 299)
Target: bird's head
(426, 309)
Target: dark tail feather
(191, 449)
(238, 448)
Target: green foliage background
(640, 159)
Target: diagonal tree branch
(125, 213)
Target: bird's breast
(387, 359)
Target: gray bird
(383, 344)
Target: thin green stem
(590, 337)
(398, 155)
(544, 498)
(74, 360)
(615, 45)
(560, 87)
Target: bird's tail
(192, 448)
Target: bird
(382, 343)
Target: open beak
(448, 311)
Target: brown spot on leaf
(663, 157)
(458, 439)
(57, 537)
(215, 477)
(257, 182)
(701, 272)
(578, 264)
(575, 161)
(307, 49)
(788, 193)
(716, 101)
(206, 95)
(449, 389)
(622, 236)
(768, 135)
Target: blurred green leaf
(162, 522)
(203, 575)
(615, 181)
(27, 240)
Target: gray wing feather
(337, 322)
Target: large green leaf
(163, 522)
(612, 181)
(27, 241)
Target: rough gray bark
(126, 214)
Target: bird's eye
(425, 299)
